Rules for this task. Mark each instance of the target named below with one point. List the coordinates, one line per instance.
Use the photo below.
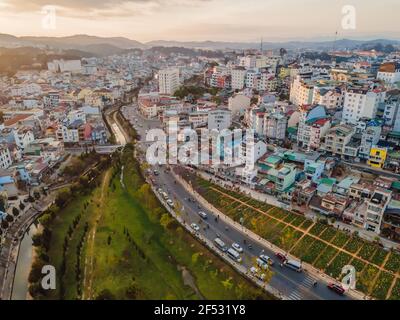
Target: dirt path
(89, 259)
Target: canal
(24, 262)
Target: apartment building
(376, 207)
(330, 98)
(23, 136)
(238, 78)
(361, 103)
(275, 125)
(283, 177)
(337, 138)
(389, 72)
(301, 93)
(313, 125)
(219, 119)
(5, 156)
(370, 136)
(168, 80)
(377, 156)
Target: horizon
(311, 39)
(202, 20)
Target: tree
(4, 224)
(36, 194)
(2, 204)
(105, 295)
(63, 197)
(166, 220)
(21, 206)
(45, 219)
(15, 212)
(1, 117)
(9, 218)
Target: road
(376, 171)
(291, 284)
(10, 248)
(105, 149)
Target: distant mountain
(111, 45)
(98, 46)
(316, 45)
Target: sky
(199, 20)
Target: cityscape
(227, 160)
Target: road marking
(295, 296)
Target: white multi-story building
(370, 136)
(73, 66)
(198, 119)
(361, 103)
(376, 207)
(168, 80)
(275, 125)
(301, 93)
(238, 75)
(23, 137)
(25, 89)
(389, 72)
(313, 125)
(248, 61)
(330, 98)
(391, 114)
(219, 119)
(5, 156)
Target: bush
(15, 212)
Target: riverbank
(26, 256)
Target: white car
(203, 215)
(170, 203)
(266, 259)
(237, 247)
(195, 227)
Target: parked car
(336, 288)
(237, 247)
(170, 203)
(195, 227)
(266, 259)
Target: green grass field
(138, 252)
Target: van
(294, 265)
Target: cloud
(98, 8)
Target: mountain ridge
(115, 44)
